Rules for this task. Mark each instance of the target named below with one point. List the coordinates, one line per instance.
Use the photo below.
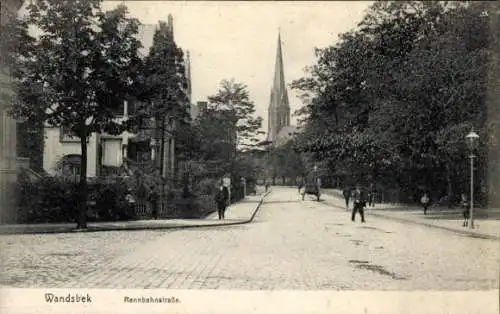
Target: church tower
(279, 107)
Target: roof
(286, 134)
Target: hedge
(54, 199)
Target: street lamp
(471, 140)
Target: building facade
(106, 153)
(279, 107)
(10, 163)
(116, 155)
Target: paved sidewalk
(238, 213)
(446, 219)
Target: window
(66, 135)
(119, 111)
(112, 152)
(71, 165)
(131, 110)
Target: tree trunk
(82, 188)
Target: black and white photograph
(148, 147)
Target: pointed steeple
(279, 108)
(279, 76)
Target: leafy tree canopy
(78, 72)
(399, 93)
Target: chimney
(202, 106)
(170, 24)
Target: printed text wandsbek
(69, 298)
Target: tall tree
(232, 101)
(228, 127)
(78, 72)
(286, 162)
(396, 96)
(211, 137)
(166, 86)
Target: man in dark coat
(221, 198)
(359, 199)
(153, 198)
(425, 200)
(465, 210)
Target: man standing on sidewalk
(359, 203)
(465, 209)
(153, 199)
(221, 198)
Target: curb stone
(463, 232)
(138, 228)
(258, 207)
(409, 221)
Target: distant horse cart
(311, 187)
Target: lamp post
(471, 140)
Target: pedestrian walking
(465, 210)
(359, 203)
(153, 199)
(425, 200)
(130, 200)
(347, 195)
(221, 198)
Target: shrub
(47, 200)
(205, 186)
(110, 201)
(54, 199)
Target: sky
(239, 39)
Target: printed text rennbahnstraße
(151, 300)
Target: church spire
(279, 76)
(279, 108)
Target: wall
(9, 164)
(54, 150)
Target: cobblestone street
(291, 244)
